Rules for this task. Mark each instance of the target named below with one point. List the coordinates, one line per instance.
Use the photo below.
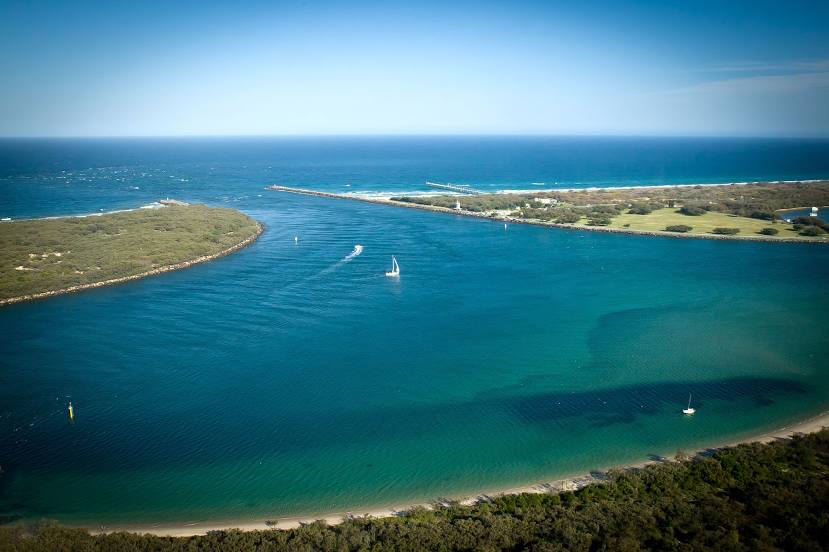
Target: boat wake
(358, 249)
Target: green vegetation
(808, 222)
(643, 208)
(752, 497)
(598, 219)
(768, 231)
(678, 228)
(747, 208)
(725, 231)
(568, 217)
(702, 224)
(692, 210)
(812, 231)
(52, 254)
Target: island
(45, 257)
(761, 211)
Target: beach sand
(810, 425)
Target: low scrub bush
(568, 218)
(598, 220)
(812, 231)
(692, 210)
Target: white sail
(395, 268)
(689, 411)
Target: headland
(41, 258)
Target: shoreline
(153, 205)
(811, 424)
(541, 190)
(386, 200)
(160, 270)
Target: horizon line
(412, 135)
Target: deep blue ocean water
(290, 378)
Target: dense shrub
(692, 210)
(726, 231)
(640, 209)
(812, 231)
(810, 221)
(769, 231)
(605, 209)
(762, 215)
(598, 219)
(568, 217)
(678, 228)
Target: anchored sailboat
(689, 411)
(395, 268)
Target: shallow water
(291, 378)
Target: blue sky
(88, 68)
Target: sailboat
(689, 411)
(395, 268)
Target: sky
(710, 68)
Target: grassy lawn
(705, 224)
(47, 255)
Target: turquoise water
(291, 379)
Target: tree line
(751, 497)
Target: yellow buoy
(71, 412)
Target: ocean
(294, 378)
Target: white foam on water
(358, 249)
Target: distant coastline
(386, 199)
(812, 424)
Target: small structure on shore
(813, 213)
(457, 205)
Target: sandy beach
(809, 425)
